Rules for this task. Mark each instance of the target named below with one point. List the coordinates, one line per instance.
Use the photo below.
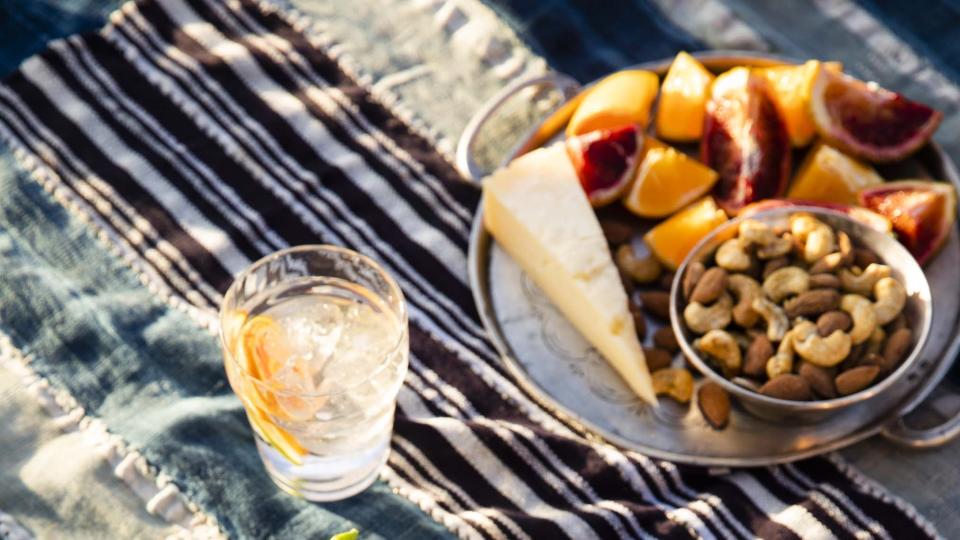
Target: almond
(896, 324)
(657, 358)
(616, 232)
(758, 353)
(812, 303)
(666, 339)
(820, 379)
(710, 287)
(873, 359)
(690, 278)
(824, 281)
(714, 404)
(833, 320)
(656, 303)
(856, 379)
(896, 347)
(787, 386)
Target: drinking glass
(315, 346)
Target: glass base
(324, 479)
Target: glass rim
(229, 356)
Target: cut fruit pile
(748, 122)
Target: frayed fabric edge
(160, 495)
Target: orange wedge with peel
(790, 87)
(683, 98)
(666, 181)
(828, 174)
(261, 352)
(675, 237)
(624, 97)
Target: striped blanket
(193, 137)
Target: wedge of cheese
(537, 211)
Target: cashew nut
(862, 313)
(641, 269)
(756, 232)
(863, 284)
(675, 382)
(817, 237)
(722, 346)
(820, 242)
(822, 351)
(745, 289)
(769, 244)
(777, 321)
(801, 224)
(777, 248)
(732, 255)
(891, 297)
(701, 319)
(782, 361)
(787, 281)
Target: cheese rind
(537, 211)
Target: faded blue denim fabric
(153, 375)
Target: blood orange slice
(606, 161)
(867, 121)
(745, 140)
(922, 213)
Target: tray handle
(898, 432)
(464, 155)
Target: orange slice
(262, 352)
(672, 240)
(622, 98)
(280, 439)
(667, 181)
(828, 174)
(683, 97)
(791, 86)
(867, 121)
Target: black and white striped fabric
(196, 136)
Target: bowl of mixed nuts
(799, 312)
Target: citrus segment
(667, 181)
(867, 121)
(622, 98)
(922, 213)
(683, 97)
(605, 161)
(830, 175)
(672, 240)
(280, 439)
(790, 87)
(261, 352)
(745, 140)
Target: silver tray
(552, 362)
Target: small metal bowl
(918, 310)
